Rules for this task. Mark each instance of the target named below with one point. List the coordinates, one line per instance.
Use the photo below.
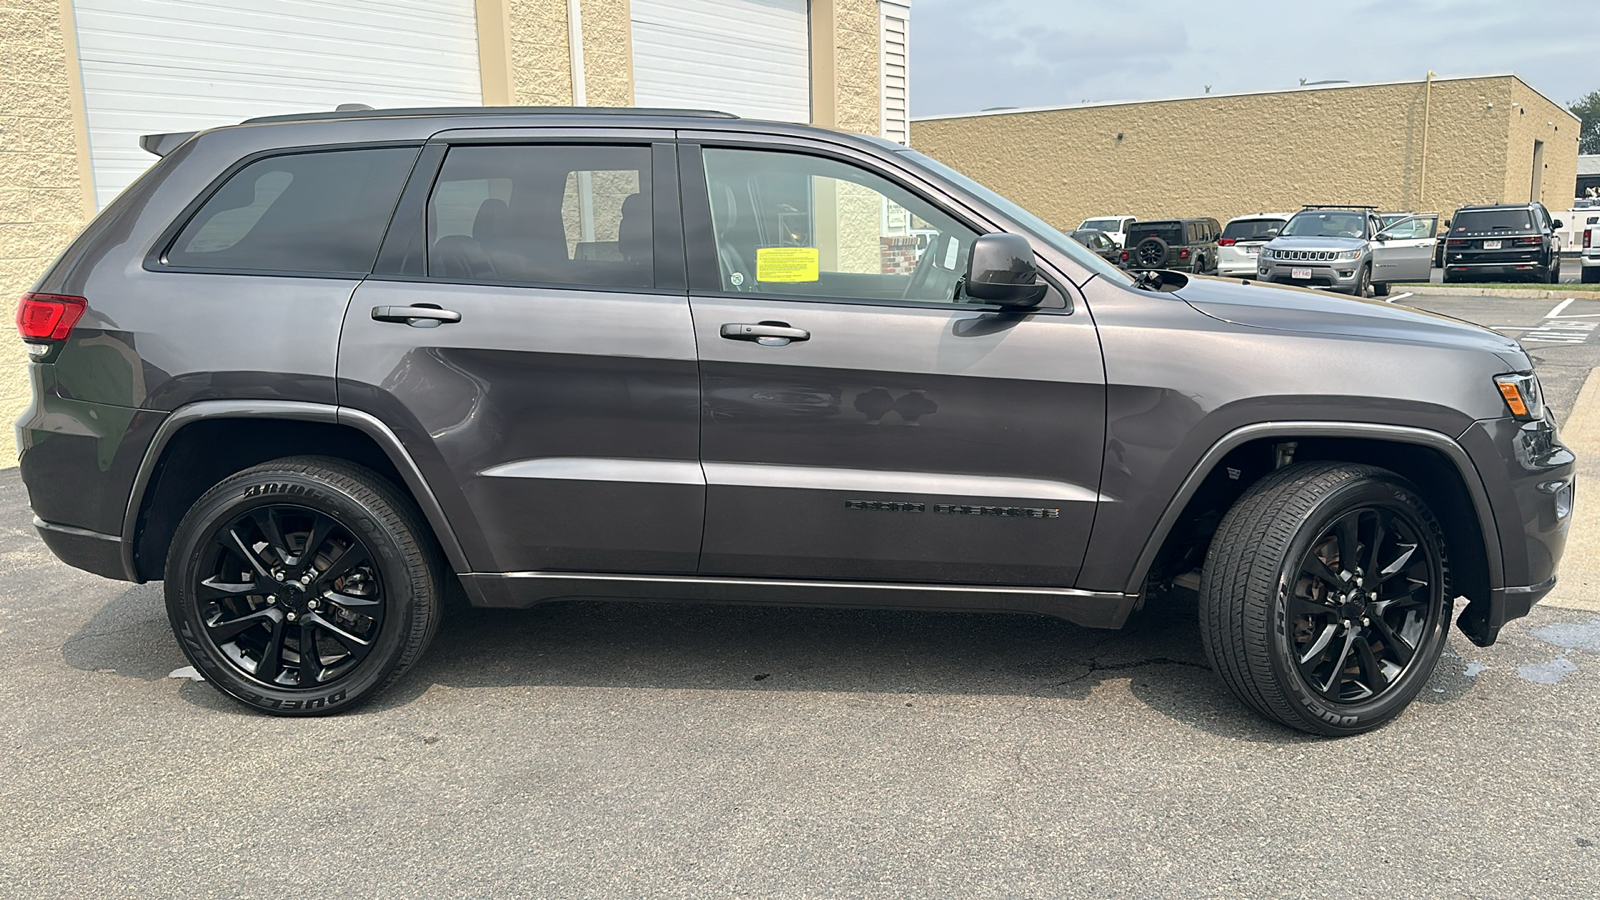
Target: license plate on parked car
(1299, 273)
(1491, 245)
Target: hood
(1316, 243)
(1303, 310)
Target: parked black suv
(1189, 245)
(1517, 241)
(315, 370)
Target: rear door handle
(767, 334)
(417, 316)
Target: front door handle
(417, 316)
(767, 334)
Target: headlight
(1266, 253)
(1349, 254)
(1522, 395)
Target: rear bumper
(84, 549)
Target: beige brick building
(81, 79)
(1405, 146)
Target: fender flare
(366, 423)
(1404, 434)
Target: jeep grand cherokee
(313, 370)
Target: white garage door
(153, 66)
(748, 57)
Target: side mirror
(1559, 224)
(1001, 269)
(1447, 224)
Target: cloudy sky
(968, 55)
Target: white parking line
(1561, 333)
(1398, 297)
(1554, 313)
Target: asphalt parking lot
(612, 750)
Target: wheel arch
(200, 444)
(1434, 462)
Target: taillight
(1227, 242)
(48, 317)
(1588, 234)
(1457, 245)
(1124, 256)
(1528, 241)
(1183, 253)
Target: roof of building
(1589, 164)
(1341, 86)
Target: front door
(531, 345)
(1406, 254)
(860, 419)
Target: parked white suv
(1590, 239)
(1116, 227)
(1242, 239)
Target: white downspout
(580, 97)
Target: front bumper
(1340, 275)
(1529, 478)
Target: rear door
(1406, 254)
(527, 335)
(859, 421)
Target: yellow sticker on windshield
(786, 264)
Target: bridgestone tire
(401, 576)
(1254, 576)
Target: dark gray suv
(318, 371)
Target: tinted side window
(305, 212)
(787, 223)
(543, 214)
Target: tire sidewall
(250, 490)
(1351, 718)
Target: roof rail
(1335, 206)
(343, 112)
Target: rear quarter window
(317, 212)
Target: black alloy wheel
(1364, 596)
(303, 586)
(293, 598)
(1325, 598)
(1151, 253)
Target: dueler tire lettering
(303, 586)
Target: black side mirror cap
(1001, 269)
(1560, 224)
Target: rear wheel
(1590, 274)
(1324, 599)
(1380, 290)
(303, 586)
(1555, 271)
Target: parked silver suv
(1341, 248)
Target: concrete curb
(1578, 584)
(1555, 293)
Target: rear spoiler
(162, 144)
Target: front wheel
(1380, 290)
(1325, 599)
(303, 586)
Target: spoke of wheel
(1400, 563)
(350, 601)
(228, 629)
(1396, 644)
(1349, 557)
(1376, 680)
(249, 555)
(1320, 644)
(337, 633)
(212, 590)
(1316, 568)
(352, 556)
(271, 654)
(266, 519)
(1380, 525)
(1338, 664)
(310, 659)
(321, 527)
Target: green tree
(1588, 112)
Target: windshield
(1101, 225)
(1036, 226)
(1494, 220)
(1253, 229)
(1327, 223)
